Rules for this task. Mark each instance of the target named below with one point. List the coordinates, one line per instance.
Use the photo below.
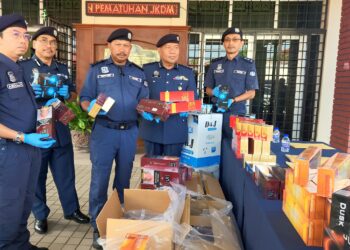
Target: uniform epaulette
(185, 66)
(137, 66)
(98, 62)
(151, 63)
(24, 59)
(216, 59)
(60, 62)
(248, 59)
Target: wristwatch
(18, 137)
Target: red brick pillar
(340, 134)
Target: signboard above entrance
(141, 9)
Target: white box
(204, 140)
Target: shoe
(95, 236)
(78, 217)
(32, 247)
(40, 226)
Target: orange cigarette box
(177, 96)
(309, 158)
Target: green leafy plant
(82, 121)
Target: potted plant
(80, 126)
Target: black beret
(51, 31)
(120, 34)
(232, 30)
(13, 20)
(170, 38)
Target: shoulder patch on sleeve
(248, 59)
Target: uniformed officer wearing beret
(114, 135)
(19, 152)
(166, 138)
(60, 157)
(234, 71)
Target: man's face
(45, 46)
(169, 53)
(233, 43)
(120, 50)
(14, 42)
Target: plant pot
(80, 140)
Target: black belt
(120, 125)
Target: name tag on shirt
(106, 75)
(240, 72)
(135, 78)
(15, 85)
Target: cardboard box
(266, 132)
(309, 158)
(270, 181)
(154, 234)
(335, 241)
(331, 173)
(177, 96)
(178, 107)
(212, 186)
(100, 100)
(155, 201)
(62, 113)
(160, 161)
(158, 108)
(204, 140)
(340, 211)
(157, 176)
(45, 123)
(195, 184)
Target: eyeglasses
(53, 43)
(232, 40)
(18, 35)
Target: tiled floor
(65, 234)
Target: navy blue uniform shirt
(17, 101)
(35, 64)
(239, 74)
(125, 84)
(160, 79)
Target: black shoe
(78, 217)
(95, 236)
(40, 226)
(32, 247)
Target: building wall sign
(142, 9)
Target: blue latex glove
(92, 104)
(216, 91)
(229, 103)
(157, 119)
(221, 110)
(147, 116)
(49, 102)
(36, 140)
(37, 90)
(184, 114)
(64, 91)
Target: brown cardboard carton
(158, 108)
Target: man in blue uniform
(19, 155)
(60, 157)
(114, 135)
(167, 138)
(235, 72)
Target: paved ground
(65, 234)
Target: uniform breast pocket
(134, 88)
(17, 93)
(104, 85)
(219, 79)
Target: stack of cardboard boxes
(251, 139)
(171, 102)
(308, 189)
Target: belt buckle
(123, 126)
